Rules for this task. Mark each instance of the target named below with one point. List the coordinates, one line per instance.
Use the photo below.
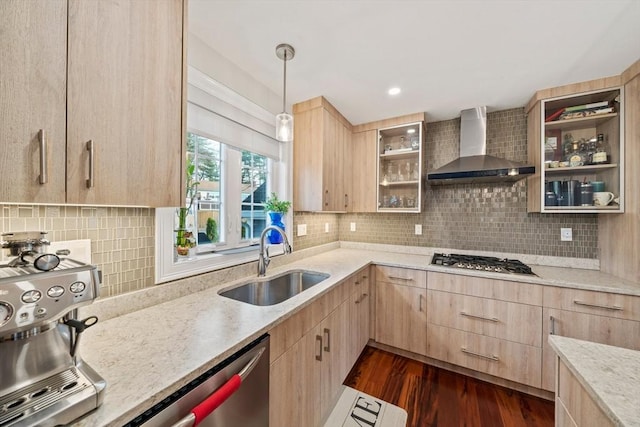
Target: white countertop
(147, 354)
(610, 375)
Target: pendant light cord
(284, 85)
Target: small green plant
(273, 204)
(184, 238)
(212, 230)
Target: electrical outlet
(566, 234)
(353, 226)
(418, 229)
(302, 229)
(326, 227)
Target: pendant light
(284, 120)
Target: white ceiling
(445, 55)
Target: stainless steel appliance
(43, 380)
(481, 263)
(474, 165)
(233, 393)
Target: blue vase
(276, 219)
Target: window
(228, 211)
(237, 163)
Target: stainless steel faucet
(263, 257)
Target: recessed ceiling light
(411, 131)
(394, 91)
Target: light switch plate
(326, 227)
(566, 234)
(353, 226)
(302, 229)
(418, 230)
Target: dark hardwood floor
(437, 397)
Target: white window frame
(280, 181)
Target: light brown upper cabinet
(32, 100)
(321, 151)
(363, 171)
(369, 189)
(119, 67)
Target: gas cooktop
(481, 263)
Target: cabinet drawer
(501, 358)
(524, 293)
(593, 302)
(580, 405)
(582, 326)
(499, 319)
(401, 276)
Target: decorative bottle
(603, 151)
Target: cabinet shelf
(582, 209)
(398, 183)
(400, 154)
(579, 123)
(579, 169)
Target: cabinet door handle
(43, 158)
(474, 316)
(346, 200)
(362, 297)
(406, 279)
(420, 303)
(491, 357)
(326, 197)
(91, 150)
(319, 353)
(327, 334)
(606, 307)
(552, 327)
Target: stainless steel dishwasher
(233, 393)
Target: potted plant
(277, 209)
(184, 238)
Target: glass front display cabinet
(400, 168)
(582, 152)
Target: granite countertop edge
(610, 375)
(146, 354)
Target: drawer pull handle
(552, 328)
(473, 316)
(319, 354)
(408, 279)
(362, 297)
(491, 357)
(420, 303)
(606, 307)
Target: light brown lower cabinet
(574, 406)
(306, 378)
(306, 375)
(401, 317)
(401, 308)
(359, 314)
(601, 317)
(501, 358)
(583, 326)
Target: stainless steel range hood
(474, 165)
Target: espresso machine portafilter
(43, 379)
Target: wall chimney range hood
(474, 165)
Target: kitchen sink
(274, 290)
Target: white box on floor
(355, 409)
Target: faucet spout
(263, 257)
